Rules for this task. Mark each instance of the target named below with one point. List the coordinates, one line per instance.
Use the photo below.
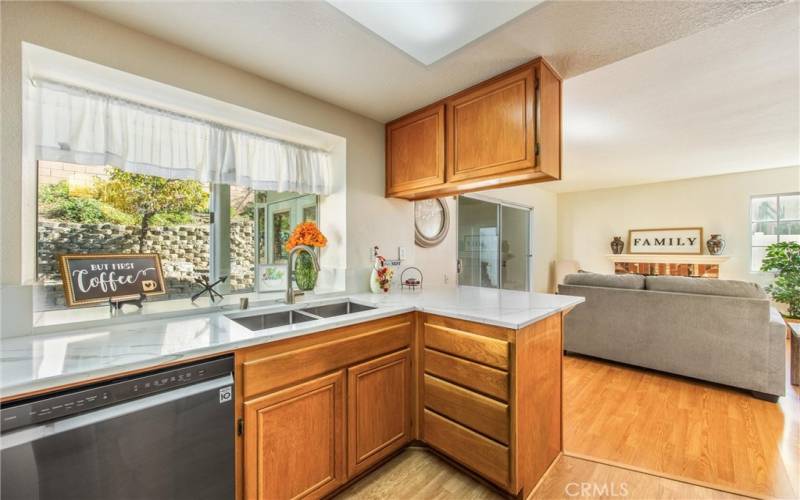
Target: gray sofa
(716, 330)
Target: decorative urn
(715, 244)
(617, 245)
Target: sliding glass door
(493, 244)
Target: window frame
(777, 222)
(219, 233)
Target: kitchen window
(120, 176)
(97, 209)
(773, 218)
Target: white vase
(374, 286)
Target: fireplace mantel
(661, 258)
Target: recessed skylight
(430, 30)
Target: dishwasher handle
(224, 386)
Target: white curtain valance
(76, 125)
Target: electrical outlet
(446, 278)
(401, 253)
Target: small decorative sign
(683, 240)
(92, 278)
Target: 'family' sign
(687, 240)
(90, 278)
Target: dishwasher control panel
(51, 407)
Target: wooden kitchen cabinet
(379, 409)
(415, 150)
(321, 408)
(491, 128)
(492, 397)
(294, 440)
(502, 132)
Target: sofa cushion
(705, 286)
(628, 281)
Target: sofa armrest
(777, 353)
(776, 321)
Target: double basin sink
(263, 321)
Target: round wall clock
(431, 222)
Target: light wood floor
(683, 428)
(647, 428)
(419, 474)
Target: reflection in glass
(765, 208)
(515, 234)
(493, 245)
(478, 229)
(281, 231)
(790, 206)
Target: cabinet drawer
(273, 371)
(485, 415)
(486, 380)
(486, 350)
(480, 454)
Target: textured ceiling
(314, 48)
(721, 101)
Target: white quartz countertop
(40, 362)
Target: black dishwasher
(167, 434)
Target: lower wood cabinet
(321, 409)
(294, 440)
(492, 397)
(379, 409)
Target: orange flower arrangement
(306, 233)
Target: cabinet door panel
(379, 409)
(491, 128)
(415, 150)
(294, 441)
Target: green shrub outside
(119, 200)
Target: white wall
(439, 261)
(371, 219)
(720, 204)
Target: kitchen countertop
(41, 362)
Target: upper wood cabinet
(491, 129)
(415, 150)
(501, 132)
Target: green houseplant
(783, 259)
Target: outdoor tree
(146, 196)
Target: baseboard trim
(664, 475)
(546, 473)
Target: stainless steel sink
(337, 309)
(272, 320)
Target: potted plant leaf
(783, 259)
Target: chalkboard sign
(90, 278)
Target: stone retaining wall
(184, 252)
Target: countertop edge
(54, 383)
